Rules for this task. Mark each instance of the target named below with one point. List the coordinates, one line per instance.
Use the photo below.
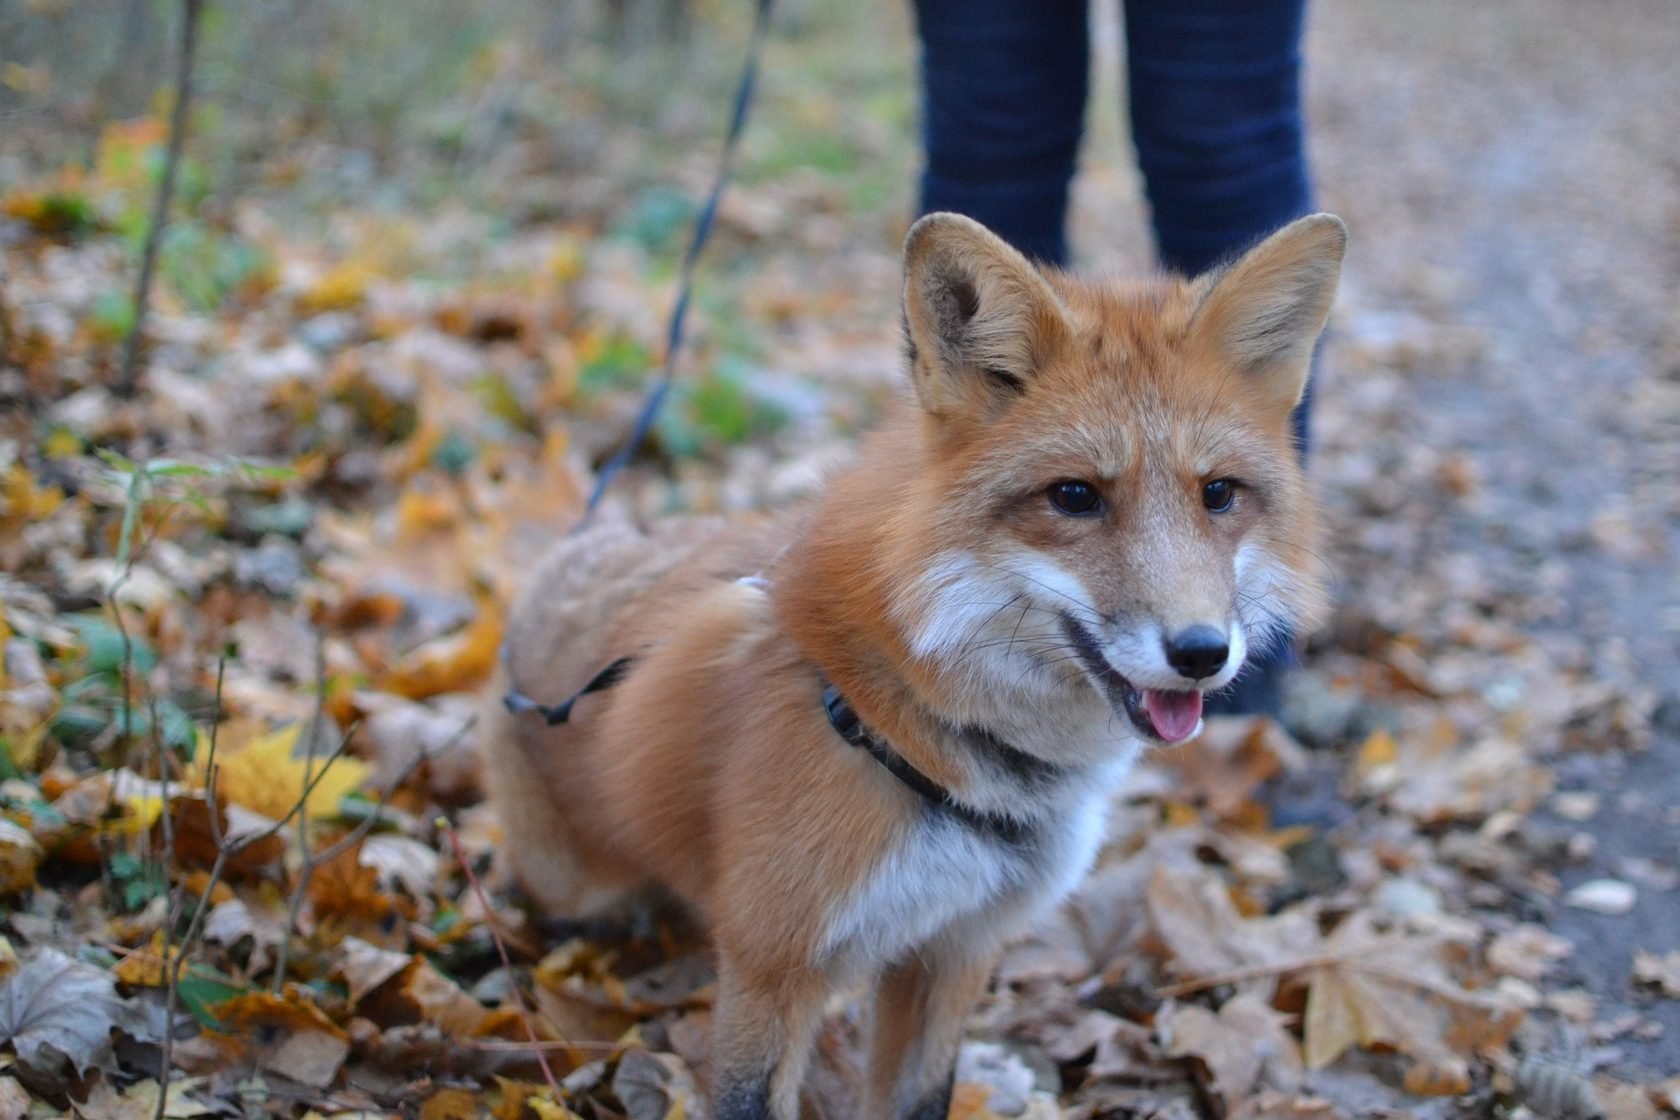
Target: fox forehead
(1122, 399)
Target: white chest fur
(947, 874)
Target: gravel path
(1512, 175)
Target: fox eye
(1075, 498)
(1218, 495)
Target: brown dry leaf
(1432, 782)
(440, 1000)
(1438, 1078)
(452, 1104)
(347, 901)
(419, 993)
(1208, 937)
(106, 1103)
(20, 854)
(1668, 1094)
(1659, 972)
(1224, 765)
(457, 663)
(396, 731)
(401, 861)
(195, 841)
(1527, 951)
(143, 967)
(292, 1039)
(1243, 1041)
(140, 1101)
(235, 919)
(654, 1086)
(1393, 988)
(365, 967)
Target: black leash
(703, 223)
(516, 701)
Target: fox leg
(920, 1005)
(762, 1033)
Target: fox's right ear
(979, 317)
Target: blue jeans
(1215, 97)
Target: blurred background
(414, 282)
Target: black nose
(1197, 652)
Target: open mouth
(1168, 715)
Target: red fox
(870, 740)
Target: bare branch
(501, 950)
(191, 12)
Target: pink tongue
(1174, 714)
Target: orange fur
(938, 586)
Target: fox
(869, 740)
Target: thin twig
(283, 951)
(191, 11)
(501, 950)
(313, 860)
(174, 963)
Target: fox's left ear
(980, 318)
(1265, 311)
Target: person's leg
(1215, 89)
(1003, 103)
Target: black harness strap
(517, 702)
(850, 728)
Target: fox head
(1111, 514)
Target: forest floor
(378, 381)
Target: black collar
(846, 721)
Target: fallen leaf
(234, 920)
(139, 1101)
(263, 776)
(1243, 1041)
(1224, 766)
(456, 663)
(365, 967)
(1208, 937)
(1659, 972)
(195, 839)
(1527, 951)
(452, 1104)
(347, 900)
(1393, 988)
(143, 967)
(293, 1039)
(419, 993)
(20, 854)
(14, 1102)
(1437, 1078)
(401, 861)
(654, 1086)
(56, 1008)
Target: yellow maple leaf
(265, 777)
